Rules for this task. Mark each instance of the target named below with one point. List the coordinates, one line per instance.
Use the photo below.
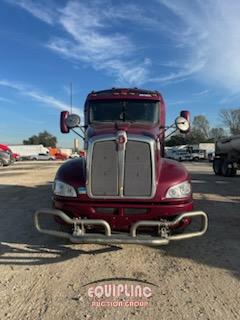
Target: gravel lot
(45, 278)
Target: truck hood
(147, 129)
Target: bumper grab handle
(79, 235)
(67, 219)
(173, 223)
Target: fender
(73, 172)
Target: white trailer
(28, 150)
(205, 146)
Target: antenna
(71, 96)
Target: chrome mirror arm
(78, 134)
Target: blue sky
(188, 50)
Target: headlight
(62, 189)
(181, 190)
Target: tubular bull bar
(79, 234)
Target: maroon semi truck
(124, 190)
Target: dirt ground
(43, 277)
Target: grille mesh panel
(138, 173)
(105, 169)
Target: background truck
(181, 155)
(124, 190)
(8, 155)
(5, 158)
(197, 154)
(205, 148)
(227, 156)
(25, 151)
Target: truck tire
(227, 169)
(234, 172)
(196, 159)
(217, 166)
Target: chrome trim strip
(113, 137)
(121, 162)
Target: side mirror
(63, 125)
(68, 121)
(185, 114)
(182, 124)
(73, 121)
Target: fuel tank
(228, 145)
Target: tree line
(202, 132)
(45, 138)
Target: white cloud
(204, 36)
(178, 102)
(185, 72)
(90, 43)
(89, 38)
(6, 100)
(209, 32)
(40, 11)
(201, 93)
(37, 96)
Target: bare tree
(231, 119)
(201, 124)
(216, 133)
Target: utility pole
(71, 96)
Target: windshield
(128, 111)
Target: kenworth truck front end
(124, 190)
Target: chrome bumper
(79, 234)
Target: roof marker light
(145, 95)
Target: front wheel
(1, 163)
(228, 169)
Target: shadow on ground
(20, 243)
(220, 246)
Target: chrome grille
(121, 170)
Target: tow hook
(78, 229)
(163, 231)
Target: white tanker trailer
(227, 156)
